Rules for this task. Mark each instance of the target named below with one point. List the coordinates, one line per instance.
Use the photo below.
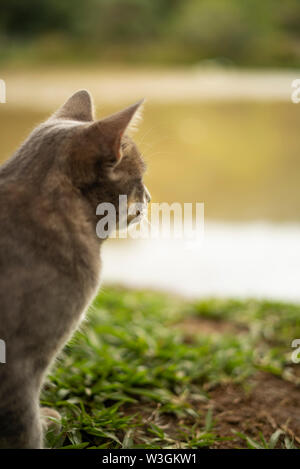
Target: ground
(148, 370)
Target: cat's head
(99, 156)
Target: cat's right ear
(108, 132)
(78, 107)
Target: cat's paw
(47, 416)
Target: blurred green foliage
(237, 32)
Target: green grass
(131, 377)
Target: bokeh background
(219, 124)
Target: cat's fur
(49, 252)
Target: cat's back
(48, 249)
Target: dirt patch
(267, 403)
(194, 326)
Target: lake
(260, 260)
(238, 153)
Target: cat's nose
(147, 195)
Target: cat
(49, 251)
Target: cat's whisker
(165, 153)
(153, 143)
(145, 134)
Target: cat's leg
(47, 416)
(20, 425)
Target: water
(239, 157)
(243, 260)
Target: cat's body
(49, 250)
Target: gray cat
(49, 251)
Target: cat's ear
(111, 129)
(78, 107)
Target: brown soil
(193, 326)
(266, 404)
(270, 403)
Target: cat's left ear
(78, 107)
(109, 131)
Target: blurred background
(219, 124)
